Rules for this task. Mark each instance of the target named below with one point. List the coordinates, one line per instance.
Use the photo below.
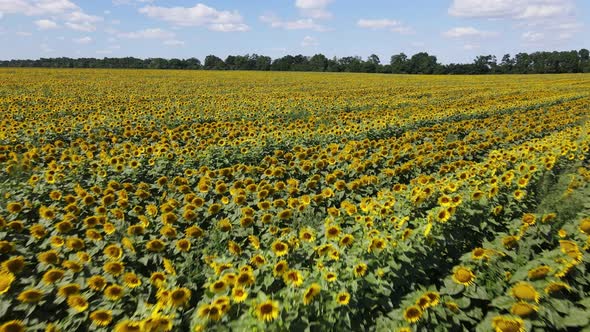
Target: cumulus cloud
(46, 24)
(36, 8)
(301, 24)
(82, 40)
(154, 33)
(81, 21)
(314, 8)
(174, 42)
(517, 9)
(309, 41)
(532, 37)
(462, 32)
(378, 24)
(199, 15)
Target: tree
(507, 64)
(318, 62)
(422, 63)
(214, 63)
(399, 63)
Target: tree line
(419, 63)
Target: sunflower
(556, 286)
(13, 326)
(443, 215)
(463, 275)
(114, 268)
(571, 249)
(293, 278)
(180, 296)
(218, 287)
(31, 295)
(346, 240)
(14, 265)
(333, 232)
(6, 279)
(342, 298)
(280, 248)
(52, 276)
(223, 303)
(131, 280)
(280, 268)
(312, 291)
(101, 317)
(507, 324)
(68, 289)
(519, 194)
(155, 245)
(523, 309)
(48, 257)
(478, 253)
(584, 226)
(525, 292)
(267, 310)
(77, 303)
(539, 272)
(114, 292)
(14, 207)
(306, 235)
(239, 294)
(331, 276)
(96, 282)
(245, 279)
(157, 278)
(128, 326)
(360, 270)
(434, 297)
(113, 251)
(412, 314)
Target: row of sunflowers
(161, 201)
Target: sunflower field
(140, 200)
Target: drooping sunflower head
(523, 309)
(507, 324)
(525, 292)
(539, 272)
(6, 279)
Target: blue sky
(454, 30)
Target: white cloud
(82, 40)
(24, 34)
(309, 41)
(81, 21)
(36, 8)
(46, 24)
(1, 15)
(314, 8)
(377, 24)
(518, 9)
(301, 24)
(174, 42)
(199, 15)
(463, 32)
(532, 37)
(154, 33)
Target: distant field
(138, 200)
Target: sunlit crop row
(160, 201)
